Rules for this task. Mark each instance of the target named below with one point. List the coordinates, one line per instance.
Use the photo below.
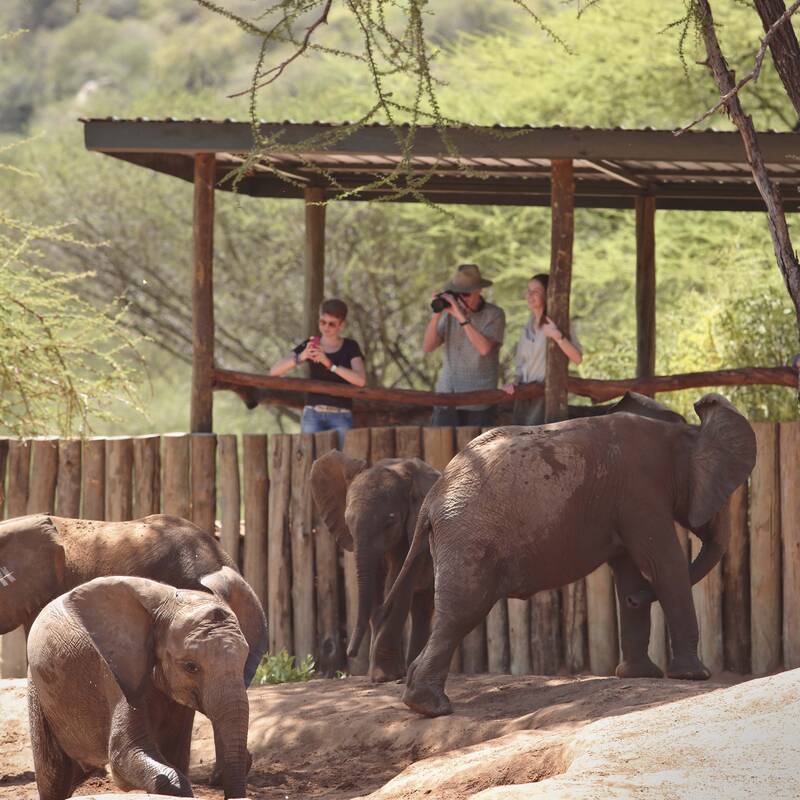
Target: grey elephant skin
(50, 555)
(524, 509)
(109, 664)
(373, 512)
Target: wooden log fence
(748, 607)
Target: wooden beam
(315, 258)
(562, 231)
(645, 287)
(203, 295)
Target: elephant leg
(386, 661)
(421, 613)
(634, 623)
(663, 562)
(57, 774)
(136, 762)
(427, 675)
(172, 723)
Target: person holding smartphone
(470, 331)
(331, 358)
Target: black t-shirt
(343, 357)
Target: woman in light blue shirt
(531, 358)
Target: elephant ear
(643, 406)
(230, 587)
(117, 613)
(331, 476)
(723, 455)
(32, 567)
(421, 477)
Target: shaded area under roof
(699, 170)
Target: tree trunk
(784, 48)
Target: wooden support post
(315, 258)
(473, 648)
(119, 478)
(736, 584)
(381, 444)
(301, 527)
(94, 479)
(545, 605)
(204, 480)
(256, 518)
(356, 445)
(3, 465)
(279, 579)
(44, 473)
(789, 447)
(68, 485)
(146, 475)
(203, 294)
(765, 552)
(645, 286)
(230, 497)
(177, 487)
(601, 621)
(330, 646)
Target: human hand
(457, 307)
(550, 330)
(509, 388)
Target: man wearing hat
(471, 331)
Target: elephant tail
(419, 544)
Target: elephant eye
(191, 667)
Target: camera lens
(438, 304)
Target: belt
(331, 409)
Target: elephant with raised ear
(49, 555)
(373, 511)
(109, 663)
(524, 509)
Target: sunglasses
(328, 323)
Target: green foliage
(281, 668)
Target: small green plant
(281, 668)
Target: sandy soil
(511, 737)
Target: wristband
(465, 322)
(334, 367)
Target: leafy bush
(280, 668)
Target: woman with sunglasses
(331, 358)
(531, 356)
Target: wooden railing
(253, 490)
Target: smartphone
(314, 341)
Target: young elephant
(373, 511)
(524, 509)
(110, 662)
(49, 555)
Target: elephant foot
(216, 779)
(641, 668)
(384, 673)
(688, 668)
(427, 701)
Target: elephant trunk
(715, 539)
(229, 712)
(366, 569)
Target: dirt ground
(510, 737)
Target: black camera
(441, 301)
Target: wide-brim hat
(467, 278)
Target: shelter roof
(497, 165)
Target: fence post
(765, 552)
(204, 480)
(256, 515)
(602, 621)
(94, 478)
(356, 445)
(177, 488)
(230, 497)
(119, 478)
(326, 558)
(789, 433)
(408, 441)
(68, 483)
(708, 605)
(146, 475)
(279, 558)
(300, 516)
(44, 472)
(736, 584)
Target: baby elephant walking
(112, 663)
